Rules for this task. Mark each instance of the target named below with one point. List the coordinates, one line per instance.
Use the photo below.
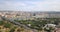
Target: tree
(7, 25)
(13, 29)
(1, 22)
(49, 29)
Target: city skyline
(30, 5)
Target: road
(19, 24)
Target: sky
(30, 5)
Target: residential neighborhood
(29, 15)
(34, 22)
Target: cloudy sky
(30, 5)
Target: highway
(19, 24)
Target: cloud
(47, 5)
(33, 5)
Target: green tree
(1, 22)
(13, 29)
(49, 29)
(7, 25)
